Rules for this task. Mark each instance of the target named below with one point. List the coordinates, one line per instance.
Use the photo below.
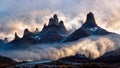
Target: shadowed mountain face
(79, 33)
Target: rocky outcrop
(36, 31)
(16, 36)
(27, 33)
(6, 62)
(25, 40)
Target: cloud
(93, 47)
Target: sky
(16, 15)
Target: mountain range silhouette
(56, 31)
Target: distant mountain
(88, 28)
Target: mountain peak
(27, 33)
(90, 21)
(55, 18)
(36, 30)
(16, 36)
(61, 22)
(51, 21)
(90, 18)
(44, 27)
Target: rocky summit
(88, 28)
(54, 27)
(91, 27)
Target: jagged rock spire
(5, 40)
(36, 30)
(90, 21)
(51, 22)
(61, 23)
(44, 27)
(27, 33)
(54, 27)
(62, 26)
(55, 18)
(90, 18)
(16, 36)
